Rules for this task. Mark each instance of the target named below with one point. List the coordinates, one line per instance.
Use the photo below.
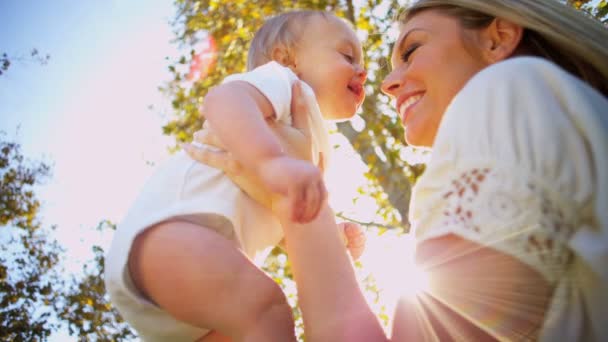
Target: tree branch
(395, 184)
(366, 224)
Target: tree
(598, 10)
(34, 54)
(36, 297)
(28, 276)
(86, 306)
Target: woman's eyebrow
(401, 41)
(399, 46)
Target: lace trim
(516, 217)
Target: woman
(511, 214)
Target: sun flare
(390, 260)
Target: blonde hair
(280, 30)
(551, 30)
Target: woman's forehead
(429, 21)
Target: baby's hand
(354, 238)
(300, 181)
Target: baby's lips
(356, 87)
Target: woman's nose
(391, 84)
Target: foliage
(29, 255)
(598, 10)
(86, 307)
(36, 297)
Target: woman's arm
(475, 293)
(333, 306)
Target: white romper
(189, 190)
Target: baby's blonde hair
(551, 30)
(283, 30)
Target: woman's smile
(406, 103)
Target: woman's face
(432, 60)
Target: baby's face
(329, 59)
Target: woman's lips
(407, 103)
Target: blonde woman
(511, 214)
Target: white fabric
(520, 163)
(195, 192)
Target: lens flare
(203, 60)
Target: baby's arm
(240, 114)
(237, 113)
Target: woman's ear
(501, 39)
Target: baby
(179, 268)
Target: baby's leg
(199, 277)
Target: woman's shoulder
(521, 69)
(514, 111)
(520, 86)
(527, 75)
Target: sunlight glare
(408, 279)
(203, 60)
(390, 259)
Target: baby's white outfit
(189, 190)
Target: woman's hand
(223, 160)
(296, 142)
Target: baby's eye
(348, 57)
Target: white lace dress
(520, 163)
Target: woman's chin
(415, 140)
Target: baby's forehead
(329, 29)
(339, 25)
(347, 34)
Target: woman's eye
(405, 56)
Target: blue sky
(86, 111)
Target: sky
(87, 113)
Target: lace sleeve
(518, 216)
